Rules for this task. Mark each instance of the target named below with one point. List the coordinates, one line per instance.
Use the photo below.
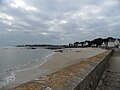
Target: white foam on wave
(7, 79)
(45, 59)
(35, 66)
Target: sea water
(14, 59)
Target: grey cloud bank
(57, 21)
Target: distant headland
(109, 42)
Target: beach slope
(55, 62)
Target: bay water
(14, 59)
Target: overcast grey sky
(57, 21)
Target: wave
(7, 79)
(9, 75)
(34, 63)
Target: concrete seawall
(83, 75)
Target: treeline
(94, 43)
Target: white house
(103, 44)
(113, 43)
(85, 43)
(117, 42)
(79, 44)
(93, 45)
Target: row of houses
(99, 42)
(112, 43)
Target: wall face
(83, 75)
(92, 79)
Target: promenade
(112, 76)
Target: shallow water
(13, 59)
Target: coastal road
(112, 76)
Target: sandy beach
(55, 62)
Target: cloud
(21, 4)
(58, 21)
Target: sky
(57, 21)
